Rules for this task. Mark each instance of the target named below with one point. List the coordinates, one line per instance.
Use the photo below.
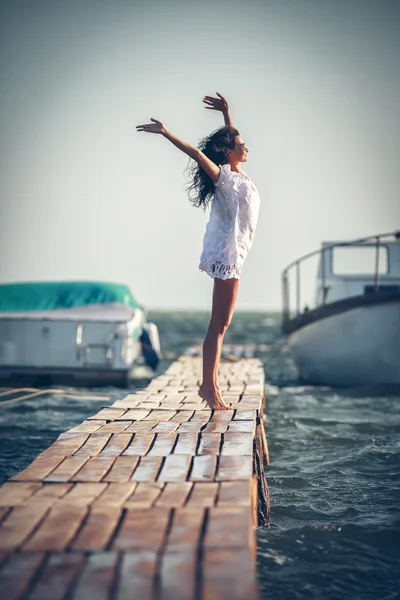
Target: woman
(235, 202)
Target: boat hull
(360, 346)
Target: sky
(314, 89)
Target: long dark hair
(214, 146)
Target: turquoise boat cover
(16, 297)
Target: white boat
(351, 336)
(82, 333)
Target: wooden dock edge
(154, 497)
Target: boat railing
(295, 266)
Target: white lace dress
(231, 226)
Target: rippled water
(334, 479)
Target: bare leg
(223, 304)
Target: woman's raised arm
(220, 104)
(205, 163)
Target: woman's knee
(220, 324)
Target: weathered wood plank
(203, 468)
(98, 528)
(115, 494)
(175, 468)
(228, 573)
(117, 444)
(147, 469)
(122, 469)
(94, 445)
(174, 494)
(19, 524)
(163, 444)
(83, 494)
(210, 443)
(237, 443)
(57, 530)
(137, 575)
(67, 469)
(235, 493)
(144, 496)
(17, 574)
(142, 529)
(203, 495)
(98, 578)
(139, 445)
(15, 493)
(57, 576)
(94, 469)
(178, 571)
(87, 427)
(108, 414)
(187, 443)
(38, 469)
(234, 467)
(186, 528)
(229, 527)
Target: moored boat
(75, 332)
(351, 336)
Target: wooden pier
(154, 497)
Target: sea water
(334, 477)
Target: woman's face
(239, 152)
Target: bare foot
(213, 398)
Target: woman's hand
(155, 127)
(219, 103)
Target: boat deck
(154, 496)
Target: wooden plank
(242, 426)
(174, 494)
(175, 468)
(15, 493)
(210, 443)
(58, 529)
(187, 443)
(137, 575)
(234, 467)
(98, 528)
(228, 573)
(203, 495)
(67, 469)
(108, 414)
(235, 493)
(141, 426)
(203, 416)
(182, 415)
(139, 445)
(236, 443)
(178, 575)
(57, 576)
(122, 469)
(214, 427)
(163, 444)
(126, 403)
(38, 469)
(49, 494)
(186, 529)
(117, 444)
(65, 447)
(229, 527)
(190, 427)
(203, 468)
(94, 444)
(19, 524)
(115, 427)
(134, 415)
(166, 427)
(115, 494)
(94, 469)
(87, 427)
(4, 510)
(17, 574)
(142, 529)
(245, 415)
(144, 496)
(147, 469)
(83, 494)
(98, 578)
(222, 416)
(160, 415)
